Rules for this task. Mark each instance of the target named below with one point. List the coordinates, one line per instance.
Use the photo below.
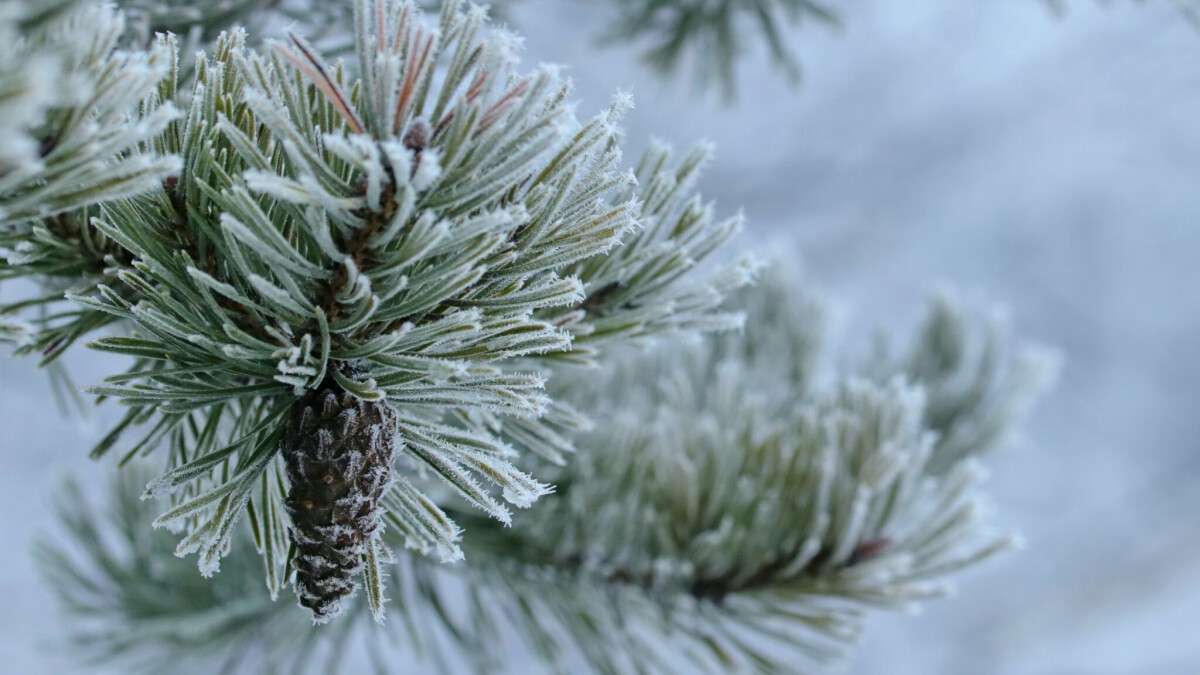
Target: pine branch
(711, 36)
(133, 602)
(74, 133)
(421, 235)
(734, 514)
(197, 25)
(201, 21)
(979, 381)
(731, 515)
(68, 99)
(1189, 9)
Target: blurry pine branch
(712, 36)
(1188, 9)
(74, 134)
(731, 515)
(977, 377)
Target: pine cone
(339, 451)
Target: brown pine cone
(339, 452)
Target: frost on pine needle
(423, 232)
(76, 119)
(131, 601)
(187, 19)
(15, 332)
(734, 513)
(979, 380)
(70, 121)
(736, 510)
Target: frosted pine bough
(66, 96)
(740, 510)
(71, 136)
(423, 236)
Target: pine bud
(339, 452)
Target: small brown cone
(338, 451)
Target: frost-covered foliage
(202, 20)
(27, 78)
(734, 513)
(72, 136)
(70, 128)
(134, 605)
(326, 24)
(978, 380)
(125, 590)
(711, 36)
(428, 228)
